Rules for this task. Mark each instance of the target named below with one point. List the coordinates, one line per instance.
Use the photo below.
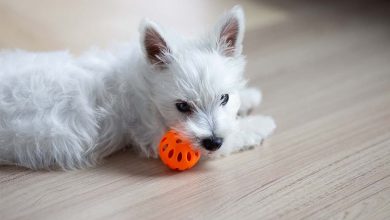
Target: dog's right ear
(153, 44)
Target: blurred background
(59, 24)
(48, 25)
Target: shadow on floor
(126, 162)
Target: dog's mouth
(197, 145)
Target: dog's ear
(153, 44)
(229, 32)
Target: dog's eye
(183, 107)
(225, 99)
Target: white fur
(59, 110)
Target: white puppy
(60, 111)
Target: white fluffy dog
(60, 111)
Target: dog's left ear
(153, 44)
(229, 32)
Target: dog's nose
(212, 143)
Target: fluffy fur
(59, 110)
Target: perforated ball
(176, 152)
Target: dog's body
(57, 110)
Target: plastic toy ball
(176, 152)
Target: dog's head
(194, 83)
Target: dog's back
(47, 110)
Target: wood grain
(324, 69)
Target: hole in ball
(170, 154)
(178, 141)
(188, 156)
(179, 156)
(164, 147)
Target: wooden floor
(324, 69)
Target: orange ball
(176, 152)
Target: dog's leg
(250, 98)
(146, 140)
(153, 147)
(250, 132)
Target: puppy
(60, 111)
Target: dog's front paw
(265, 125)
(147, 151)
(250, 98)
(252, 139)
(258, 125)
(251, 132)
(239, 142)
